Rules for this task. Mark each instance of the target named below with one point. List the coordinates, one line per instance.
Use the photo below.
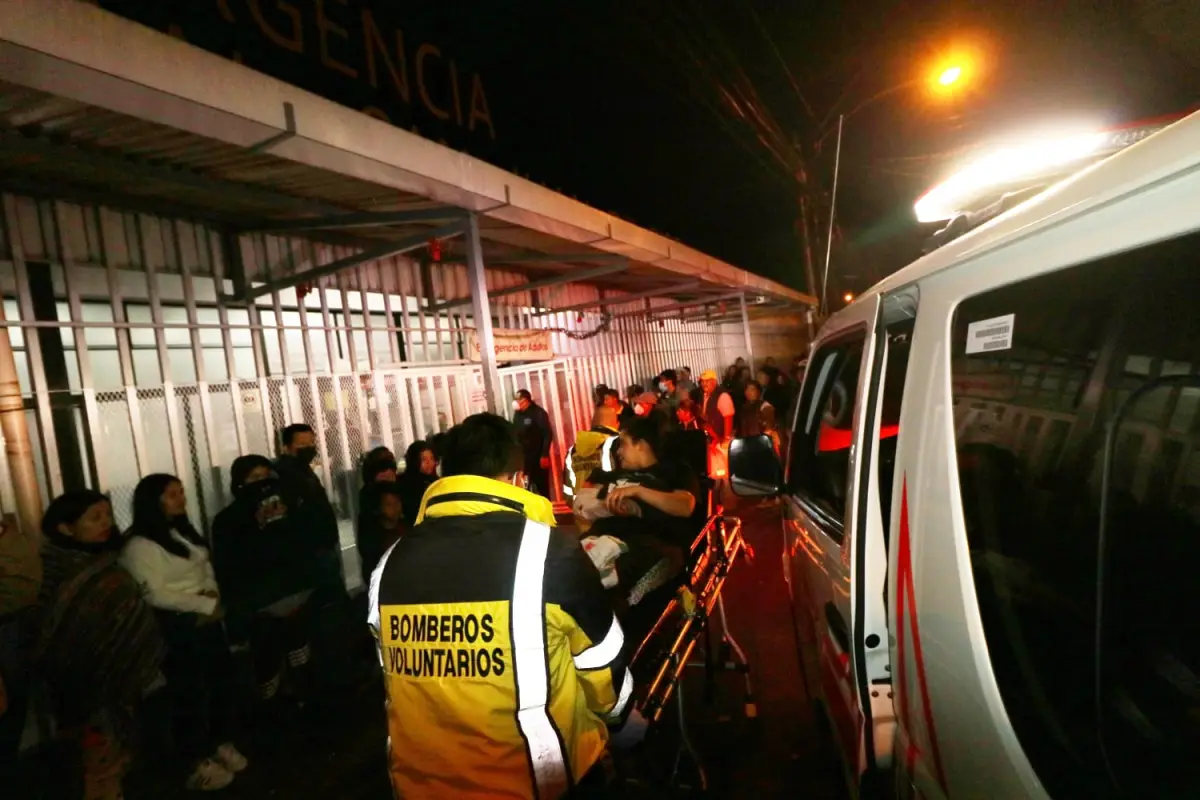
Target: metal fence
(132, 358)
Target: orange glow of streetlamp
(848, 297)
(950, 75)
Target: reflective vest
(594, 449)
(501, 654)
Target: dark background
(623, 103)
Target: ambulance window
(1075, 401)
(895, 370)
(820, 452)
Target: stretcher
(665, 651)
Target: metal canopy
(699, 301)
(378, 252)
(108, 107)
(622, 299)
(364, 219)
(544, 283)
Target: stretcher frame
(686, 619)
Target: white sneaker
(228, 757)
(209, 776)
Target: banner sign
(513, 345)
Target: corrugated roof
(99, 104)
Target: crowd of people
(101, 619)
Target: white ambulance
(992, 500)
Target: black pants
(280, 645)
(202, 684)
(539, 477)
(14, 670)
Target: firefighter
(503, 661)
(593, 449)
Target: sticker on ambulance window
(989, 335)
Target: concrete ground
(782, 752)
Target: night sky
(620, 103)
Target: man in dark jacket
(266, 576)
(533, 430)
(306, 498)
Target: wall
(133, 360)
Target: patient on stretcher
(642, 514)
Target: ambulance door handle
(837, 627)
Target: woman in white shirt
(170, 561)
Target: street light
(848, 297)
(950, 75)
(945, 79)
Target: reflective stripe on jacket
(594, 449)
(501, 653)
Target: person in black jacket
(378, 469)
(306, 498)
(420, 472)
(265, 568)
(381, 524)
(533, 431)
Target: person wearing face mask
(306, 497)
(95, 642)
(170, 561)
(533, 429)
(503, 661)
(265, 579)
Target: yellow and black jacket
(593, 450)
(503, 660)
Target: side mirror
(754, 468)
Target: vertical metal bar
(559, 448)
(318, 401)
(90, 409)
(352, 350)
(482, 312)
(291, 397)
(228, 248)
(384, 277)
(315, 384)
(206, 415)
(160, 346)
(746, 331)
(422, 302)
(33, 354)
(837, 164)
(124, 349)
(413, 390)
(33, 349)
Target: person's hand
(631, 733)
(620, 500)
(545, 462)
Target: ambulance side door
(820, 502)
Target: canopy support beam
(371, 254)
(622, 299)
(364, 219)
(541, 283)
(481, 311)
